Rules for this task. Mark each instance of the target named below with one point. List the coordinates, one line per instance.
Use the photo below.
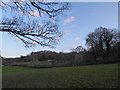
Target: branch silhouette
(32, 32)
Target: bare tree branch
(45, 34)
(32, 32)
(52, 9)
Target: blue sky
(83, 18)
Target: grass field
(92, 76)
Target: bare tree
(52, 9)
(101, 40)
(32, 32)
(78, 49)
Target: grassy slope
(95, 76)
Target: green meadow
(91, 76)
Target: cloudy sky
(84, 17)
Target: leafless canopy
(102, 39)
(78, 49)
(32, 32)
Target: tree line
(103, 47)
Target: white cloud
(67, 32)
(36, 38)
(34, 13)
(57, 38)
(18, 39)
(32, 42)
(76, 39)
(70, 19)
